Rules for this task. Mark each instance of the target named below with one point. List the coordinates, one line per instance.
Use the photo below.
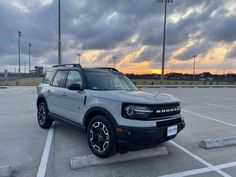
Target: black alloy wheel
(43, 120)
(101, 137)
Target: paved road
(209, 113)
(21, 141)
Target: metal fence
(19, 79)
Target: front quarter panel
(110, 106)
(42, 91)
(114, 108)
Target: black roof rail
(73, 65)
(107, 68)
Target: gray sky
(130, 29)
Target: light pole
(59, 33)
(164, 38)
(114, 60)
(24, 68)
(29, 58)
(19, 36)
(79, 55)
(194, 66)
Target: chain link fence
(20, 79)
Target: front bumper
(134, 138)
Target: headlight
(139, 112)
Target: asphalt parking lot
(208, 112)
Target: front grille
(168, 122)
(164, 110)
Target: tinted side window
(59, 78)
(48, 77)
(73, 77)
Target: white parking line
(189, 172)
(200, 170)
(226, 98)
(13, 91)
(210, 118)
(17, 90)
(210, 166)
(23, 90)
(220, 106)
(44, 160)
(226, 165)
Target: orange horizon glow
(156, 71)
(185, 71)
(214, 61)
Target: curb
(3, 87)
(92, 160)
(216, 143)
(5, 171)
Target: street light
(29, 58)
(19, 36)
(59, 33)
(164, 37)
(194, 66)
(79, 55)
(24, 68)
(114, 60)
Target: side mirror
(75, 87)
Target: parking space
(231, 171)
(209, 113)
(70, 142)
(21, 141)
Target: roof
(78, 66)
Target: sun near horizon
(156, 71)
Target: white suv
(109, 107)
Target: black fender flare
(89, 114)
(41, 97)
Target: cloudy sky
(132, 30)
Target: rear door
(44, 87)
(57, 92)
(74, 100)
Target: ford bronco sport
(109, 107)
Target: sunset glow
(156, 71)
(133, 32)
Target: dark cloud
(221, 29)
(108, 25)
(9, 27)
(153, 54)
(149, 54)
(179, 32)
(231, 53)
(196, 49)
(108, 37)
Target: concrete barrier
(216, 143)
(5, 171)
(92, 160)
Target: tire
(42, 116)
(101, 137)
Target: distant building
(38, 70)
(206, 76)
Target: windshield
(107, 80)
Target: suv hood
(141, 97)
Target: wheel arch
(97, 111)
(41, 99)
